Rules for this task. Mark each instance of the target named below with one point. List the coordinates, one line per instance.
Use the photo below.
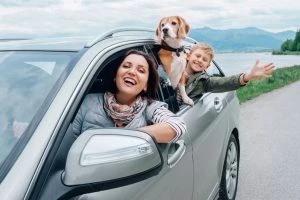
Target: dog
(170, 33)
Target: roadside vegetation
(278, 52)
(280, 77)
(290, 47)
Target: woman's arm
(79, 118)
(166, 127)
(162, 132)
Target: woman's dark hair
(153, 79)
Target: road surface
(270, 146)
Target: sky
(51, 18)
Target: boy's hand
(260, 71)
(187, 100)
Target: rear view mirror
(110, 154)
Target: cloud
(26, 3)
(41, 18)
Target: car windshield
(26, 79)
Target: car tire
(229, 180)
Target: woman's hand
(162, 132)
(259, 71)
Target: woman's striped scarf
(121, 114)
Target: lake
(232, 63)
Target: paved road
(270, 146)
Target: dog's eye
(174, 23)
(162, 25)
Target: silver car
(42, 85)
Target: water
(232, 63)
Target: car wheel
(229, 180)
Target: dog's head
(171, 29)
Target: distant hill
(245, 39)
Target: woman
(130, 103)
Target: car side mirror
(105, 155)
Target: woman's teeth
(130, 81)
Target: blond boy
(195, 81)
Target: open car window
(215, 70)
(166, 92)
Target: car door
(208, 126)
(178, 178)
(209, 130)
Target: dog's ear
(184, 27)
(158, 32)
(187, 56)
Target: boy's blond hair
(204, 47)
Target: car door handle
(218, 104)
(174, 157)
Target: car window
(214, 69)
(26, 79)
(166, 92)
(106, 74)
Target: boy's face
(198, 60)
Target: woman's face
(132, 76)
(198, 60)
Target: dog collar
(165, 46)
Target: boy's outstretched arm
(258, 71)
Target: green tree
(284, 46)
(290, 45)
(298, 47)
(287, 45)
(296, 41)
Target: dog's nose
(165, 30)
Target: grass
(279, 52)
(281, 77)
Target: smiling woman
(130, 102)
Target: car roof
(55, 44)
(76, 43)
